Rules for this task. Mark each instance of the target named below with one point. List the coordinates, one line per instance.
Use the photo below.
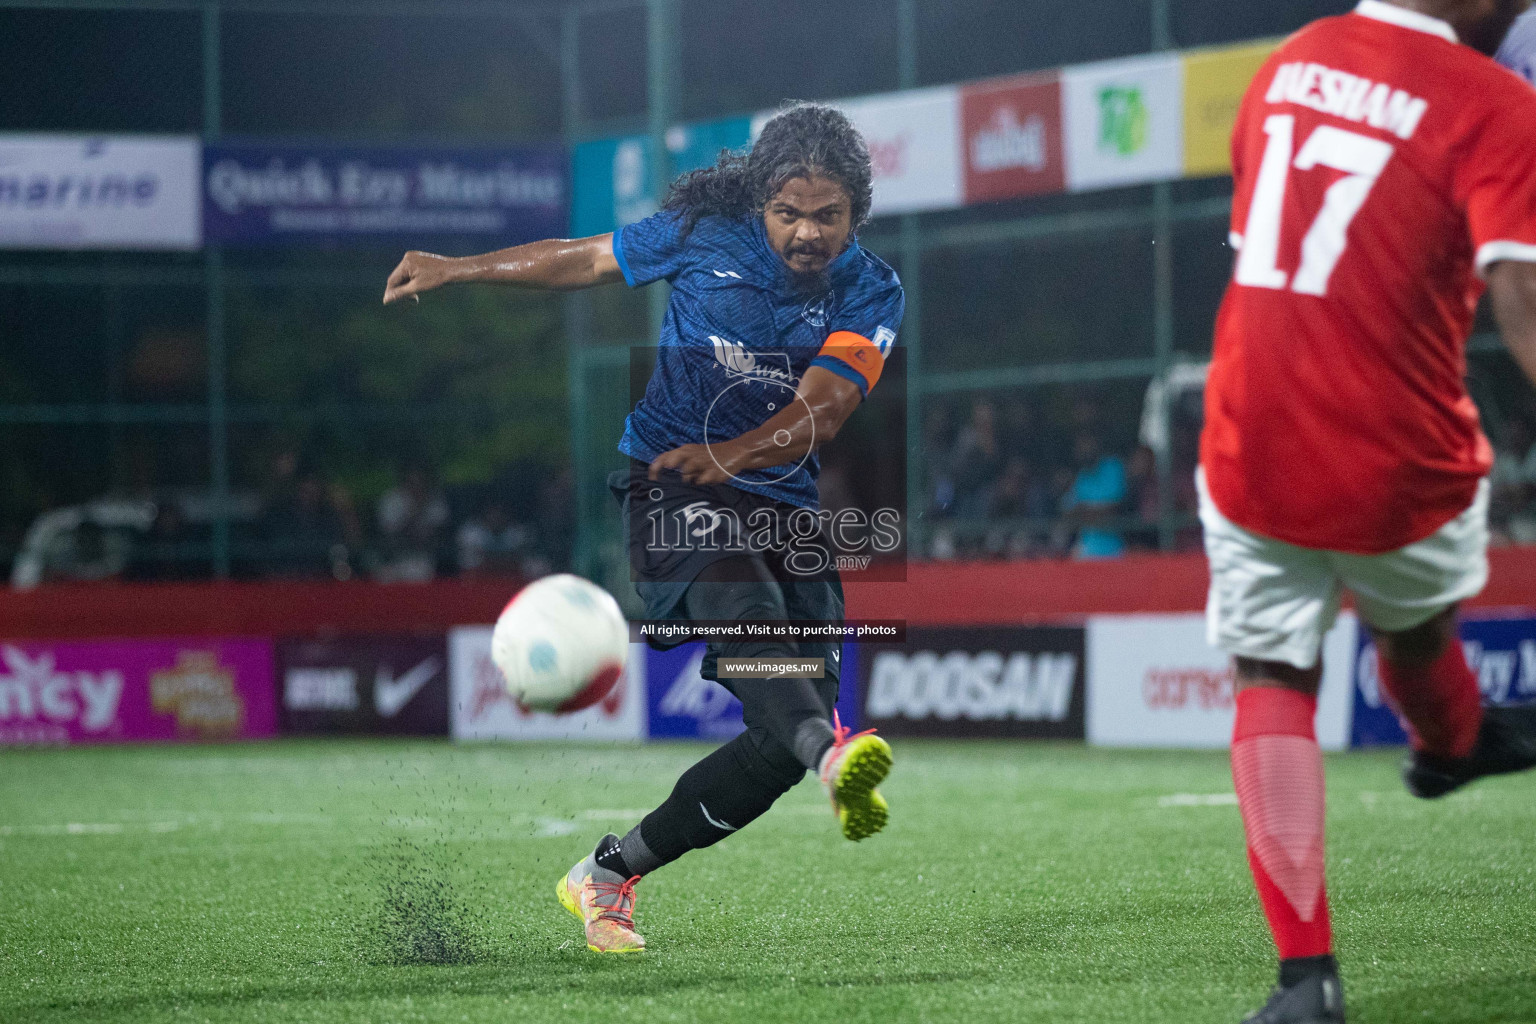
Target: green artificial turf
(298, 881)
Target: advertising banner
(261, 194)
(1012, 137)
(365, 684)
(1153, 681)
(1501, 651)
(683, 705)
(481, 709)
(914, 143)
(1124, 121)
(611, 178)
(1214, 84)
(136, 690)
(99, 192)
(699, 144)
(1013, 681)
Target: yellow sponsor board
(1214, 83)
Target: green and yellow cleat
(605, 903)
(851, 770)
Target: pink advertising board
(129, 691)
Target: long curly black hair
(801, 140)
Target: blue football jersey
(737, 336)
(1519, 50)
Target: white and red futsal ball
(560, 644)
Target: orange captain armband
(856, 352)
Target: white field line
(1198, 800)
(85, 828)
(215, 821)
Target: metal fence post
(1162, 304)
(577, 312)
(213, 286)
(911, 241)
(663, 86)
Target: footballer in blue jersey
(778, 325)
(740, 332)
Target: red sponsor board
(1012, 137)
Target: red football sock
(1278, 771)
(1439, 702)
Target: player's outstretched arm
(1512, 288)
(556, 264)
(821, 407)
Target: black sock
(1300, 968)
(610, 856)
(721, 794)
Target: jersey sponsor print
(1379, 168)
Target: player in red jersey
(1385, 174)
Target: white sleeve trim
(1493, 252)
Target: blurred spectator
(1026, 433)
(1512, 484)
(555, 518)
(412, 518)
(90, 557)
(976, 461)
(1019, 501)
(1095, 499)
(308, 528)
(937, 443)
(1146, 498)
(163, 555)
(491, 543)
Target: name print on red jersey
(1348, 96)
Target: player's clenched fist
(418, 272)
(695, 463)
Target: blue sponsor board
(682, 705)
(698, 145)
(612, 179)
(260, 194)
(1501, 651)
(611, 184)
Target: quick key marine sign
(257, 194)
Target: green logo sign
(1123, 120)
